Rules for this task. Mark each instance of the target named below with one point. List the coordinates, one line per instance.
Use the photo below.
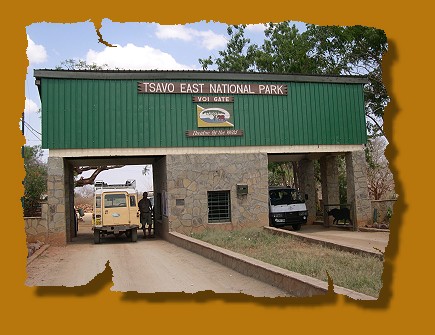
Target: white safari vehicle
(115, 210)
(286, 207)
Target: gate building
(209, 136)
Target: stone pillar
(69, 205)
(308, 186)
(161, 219)
(56, 202)
(330, 185)
(357, 188)
(329, 176)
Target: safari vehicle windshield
(114, 200)
(285, 197)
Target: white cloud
(211, 40)
(131, 57)
(174, 32)
(35, 53)
(207, 39)
(256, 28)
(30, 106)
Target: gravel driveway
(147, 266)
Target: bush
(35, 181)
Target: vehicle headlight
(305, 213)
(278, 215)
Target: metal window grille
(219, 206)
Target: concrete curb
(37, 253)
(374, 230)
(325, 242)
(296, 284)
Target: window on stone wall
(219, 206)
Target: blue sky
(145, 46)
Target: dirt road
(147, 266)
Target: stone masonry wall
(37, 227)
(329, 177)
(357, 190)
(160, 187)
(330, 185)
(56, 201)
(308, 187)
(189, 177)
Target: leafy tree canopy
(79, 64)
(380, 179)
(35, 181)
(326, 50)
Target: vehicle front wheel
(297, 227)
(97, 236)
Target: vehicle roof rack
(130, 183)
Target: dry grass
(356, 272)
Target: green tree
(354, 50)
(342, 179)
(329, 50)
(35, 181)
(239, 53)
(284, 174)
(79, 64)
(380, 178)
(280, 174)
(285, 50)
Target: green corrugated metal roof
(194, 75)
(103, 109)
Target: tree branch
(90, 180)
(376, 123)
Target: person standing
(145, 209)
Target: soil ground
(155, 265)
(147, 266)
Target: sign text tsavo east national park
(211, 88)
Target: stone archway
(60, 190)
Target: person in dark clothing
(145, 209)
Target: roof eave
(194, 75)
